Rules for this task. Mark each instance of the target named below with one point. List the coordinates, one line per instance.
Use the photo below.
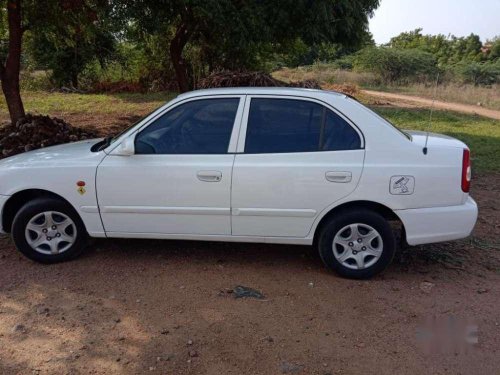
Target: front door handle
(209, 176)
(341, 177)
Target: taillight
(466, 171)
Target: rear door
(296, 156)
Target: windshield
(114, 138)
(109, 140)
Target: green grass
(481, 134)
(103, 103)
(42, 102)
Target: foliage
(64, 36)
(101, 44)
(414, 57)
(396, 65)
(447, 50)
(35, 80)
(66, 48)
(487, 73)
(495, 49)
(234, 35)
(345, 62)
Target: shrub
(35, 80)
(396, 65)
(345, 62)
(487, 73)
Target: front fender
(60, 179)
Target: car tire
(356, 244)
(49, 230)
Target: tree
(448, 50)
(10, 69)
(232, 33)
(38, 17)
(395, 64)
(465, 48)
(495, 49)
(68, 48)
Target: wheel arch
(380, 208)
(19, 199)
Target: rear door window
(291, 125)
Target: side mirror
(125, 148)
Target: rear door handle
(209, 176)
(340, 177)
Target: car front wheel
(48, 230)
(357, 244)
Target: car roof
(260, 91)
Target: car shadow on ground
(457, 256)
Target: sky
(458, 17)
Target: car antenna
(430, 115)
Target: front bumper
(3, 199)
(438, 224)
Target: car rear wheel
(357, 244)
(48, 230)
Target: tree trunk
(177, 45)
(9, 73)
(10, 88)
(74, 79)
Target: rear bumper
(3, 199)
(438, 224)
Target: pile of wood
(345, 88)
(116, 87)
(306, 84)
(33, 132)
(249, 79)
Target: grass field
(113, 111)
(50, 103)
(119, 110)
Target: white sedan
(270, 165)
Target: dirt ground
(410, 101)
(166, 307)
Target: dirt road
(398, 98)
(165, 307)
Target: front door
(179, 179)
(299, 157)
